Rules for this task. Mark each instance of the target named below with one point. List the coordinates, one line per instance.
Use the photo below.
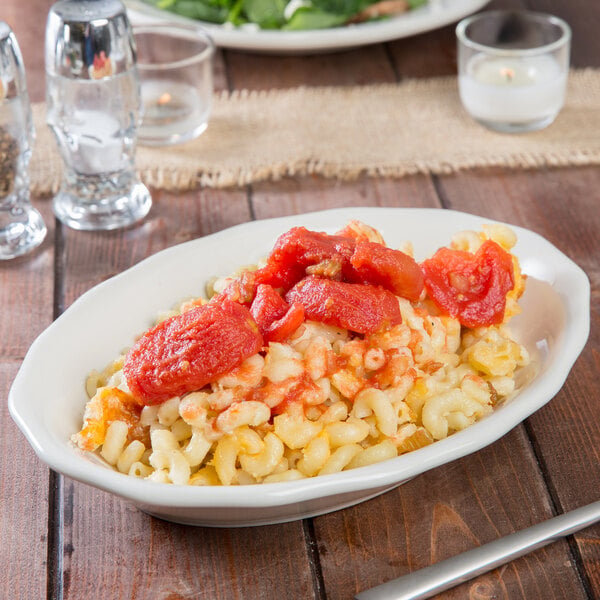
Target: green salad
(290, 15)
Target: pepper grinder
(21, 226)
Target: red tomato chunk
(276, 319)
(185, 352)
(267, 306)
(392, 269)
(357, 307)
(470, 287)
(282, 329)
(299, 249)
(301, 252)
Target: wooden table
(61, 539)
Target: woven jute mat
(417, 126)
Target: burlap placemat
(416, 126)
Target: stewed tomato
(187, 351)
(470, 287)
(276, 319)
(392, 269)
(358, 307)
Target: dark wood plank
(353, 67)
(24, 502)
(26, 308)
(26, 292)
(220, 81)
(449, 510)
(291, 196)
(431, 54)
(584, 19)
(114, 550)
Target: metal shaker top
(89, 39)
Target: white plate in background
(435, 14)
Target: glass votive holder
(513, 68)
(176, 75)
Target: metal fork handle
(458, 569)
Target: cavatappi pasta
(323, 401)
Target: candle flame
(507, 73)
(164, 99)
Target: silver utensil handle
(458, 569)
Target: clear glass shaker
(21, 226)
(94, 109)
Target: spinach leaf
(341, 7)
(267, 13)
(307, 17)
(203, 10)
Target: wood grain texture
(584, 20)
(113, 546)
(26, 293)
(292, 196)
(431, 54)
(352, 67)
(449, 510)
(23, 506)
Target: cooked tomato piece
(276, 319)
(187, 351)
(470, 287)
(282, 329)
(268, 306)
(298, 249)
(392, 269)
(279, 275)
(354, 306)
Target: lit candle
(172, 110)
(174, 63)
(512, 90)
(512, 68)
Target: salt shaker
(94, 109)
(21, 226)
